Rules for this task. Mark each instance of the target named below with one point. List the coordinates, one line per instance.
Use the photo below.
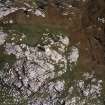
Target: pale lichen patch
(2, 37)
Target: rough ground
(52, 52)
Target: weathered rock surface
(59, 69)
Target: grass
(33, 32)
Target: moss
(7, 99)
(5, 58)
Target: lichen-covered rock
(37, 64)
(39, 73)
(37, 67)
(85, 91)
(45, 69)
